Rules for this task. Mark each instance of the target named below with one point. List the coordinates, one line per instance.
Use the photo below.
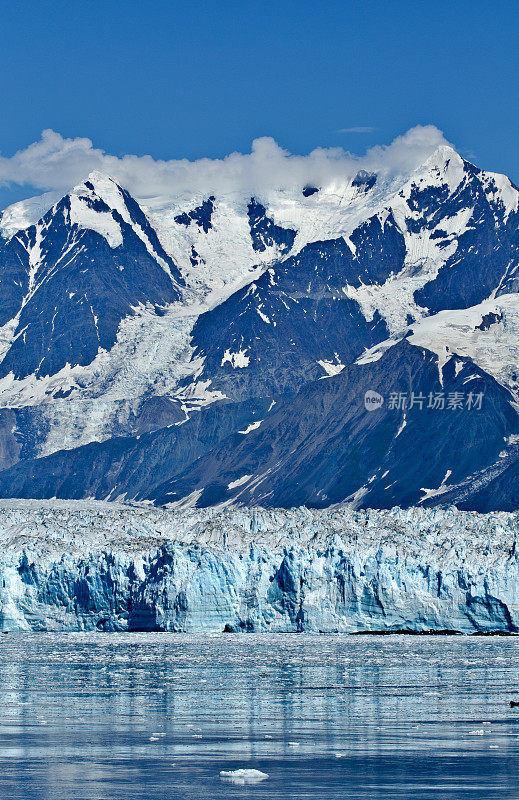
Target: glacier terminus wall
(87, 565)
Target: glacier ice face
(85, 565)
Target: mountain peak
(101, 185)
(97, 176)
(442, 158)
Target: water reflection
(112, 716)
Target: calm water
(117, 717)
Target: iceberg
(244, 776)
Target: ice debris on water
(243, 776)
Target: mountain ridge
(121, 319)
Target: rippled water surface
(113, 716)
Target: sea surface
(124, 716)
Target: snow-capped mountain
(218, 349)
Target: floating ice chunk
(243, 776)
(294, 744)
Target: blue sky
(178, 79)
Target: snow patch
(237, 360)
(252, 427)
(331, 368)
(101, 222)
(239, 481)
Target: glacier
(90, 565)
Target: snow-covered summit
(217, 258)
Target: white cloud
(57, 164)
(357, 129)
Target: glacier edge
(87, 565)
